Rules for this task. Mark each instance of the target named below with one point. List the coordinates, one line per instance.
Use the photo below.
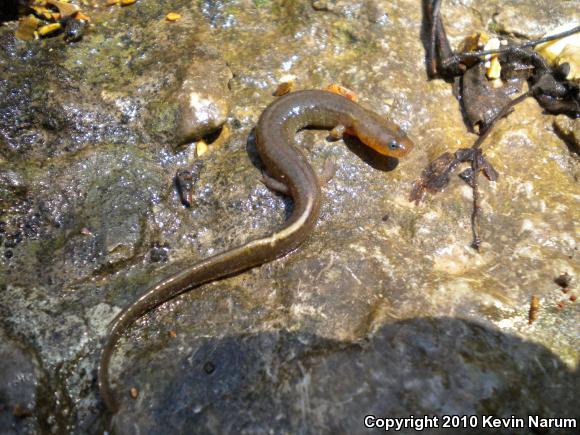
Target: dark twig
(528, 44)
(436, 29)
(477, 158)
(452, 62)
(476, 244)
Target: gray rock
(294, 382)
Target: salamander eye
(394, 145)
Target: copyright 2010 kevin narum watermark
(419, 424)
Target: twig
(475, 214)
(476, 244)
(524, 45)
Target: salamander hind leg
(273, 184)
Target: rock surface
(385, 310)
(569, 130)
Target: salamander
(288, 171)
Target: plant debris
(50, 18)
(286, 85)
(65, 9)
(27, 28)
(534, 308)
(341, 90)
(563, 280)
(185, 181)
(486, 74)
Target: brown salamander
(292, 174)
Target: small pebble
(172, 16)
(159, 253)
(209, 368)
(283, 88)
(134, 392)
(201, 148)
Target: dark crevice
(12, 9)
(568, 138)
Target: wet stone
(303, 361)
(544, 16)
(203, 99)
(12, 186)
(110, 226)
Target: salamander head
(384, 136)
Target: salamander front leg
(337, 132)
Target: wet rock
(49, 119)
(17, 133)
(509, 19)
(217, 13)
(111, 213)
(105, 215)
(236, 384)
(203, 100)
(368, 9)
(11, 186)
